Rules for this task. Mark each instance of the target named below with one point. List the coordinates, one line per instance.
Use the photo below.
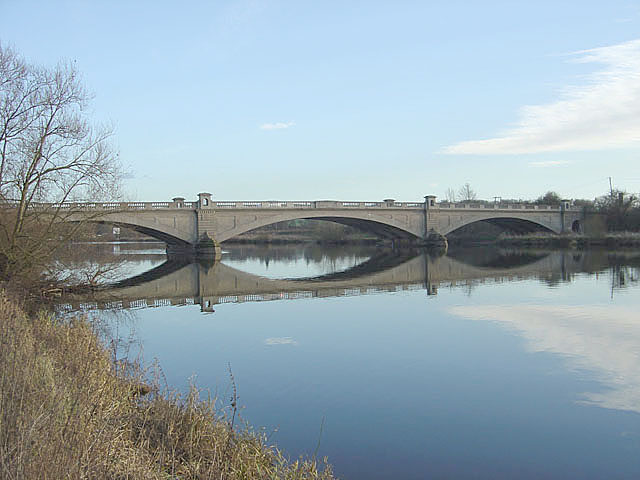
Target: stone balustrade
(273, 204)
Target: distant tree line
(621, 210)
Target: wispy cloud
(280, 341)
(604, 113)
(549, 163)
(276, 125)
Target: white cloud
(604, 113)
(604, 340)
(280, 341)
(549, 163)
(276, 125)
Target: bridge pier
(206, 248)
(435, 240)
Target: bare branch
(466, 193)
(49, 152)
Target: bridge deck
(205, 223)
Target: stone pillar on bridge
(204, 201)
(207, 244)
(429, 202)
(432, 238)
(565, 205)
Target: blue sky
(354, 100)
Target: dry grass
(65, 413)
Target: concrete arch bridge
(203, 224)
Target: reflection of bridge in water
(174, 283)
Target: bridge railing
(313, 204)
(116, 206)
(366, 205)
(277, 204)
(496, 206)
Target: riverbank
(300, 236)
(296, 240)
(609, 240)
(534, 240)
(68, 411)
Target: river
(478, 364)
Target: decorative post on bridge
(204, 201)
(207, 245)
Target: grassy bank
(66, 411)
(537, 240)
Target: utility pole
(610, 188)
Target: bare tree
(86, 265)
(450, 195)
(466, 193)
(49, 152)
(622, 210)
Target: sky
(358, 100)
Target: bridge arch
(508, 222)
(177, 228)
(388, 228)
(170, 238)
(381, 229)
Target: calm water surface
(479, 364)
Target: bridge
(203, 224)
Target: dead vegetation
(67, 411)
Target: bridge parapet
(179, 204)
(109, 206)
(321, 204)
(502, 206)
